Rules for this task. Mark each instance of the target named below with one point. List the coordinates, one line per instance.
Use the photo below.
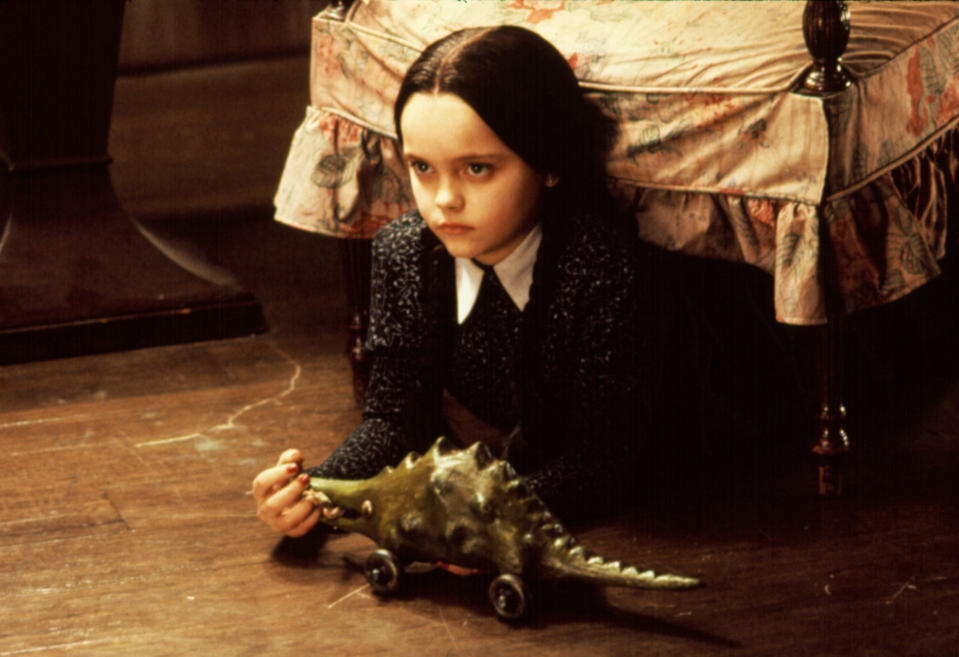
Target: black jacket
(586, 365)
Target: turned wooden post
(825, 27)
(832, 444)
(337, 9)
(826, 32)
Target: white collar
(515, 274)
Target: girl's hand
(278, 494)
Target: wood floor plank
(126, 527)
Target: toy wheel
(383, 572)
(509, 596)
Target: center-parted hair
(526, 92)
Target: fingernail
(304, 479)
(292, 467)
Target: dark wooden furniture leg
(77, 276)
(832, 445)
(826, 32)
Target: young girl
(505, 309)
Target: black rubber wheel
(384, 572)
(509, 596)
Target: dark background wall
(174, 33)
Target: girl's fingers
(275, 505)
(290, 456)
(272, 479)
(290, 517)
(305, 524)
(278, 492)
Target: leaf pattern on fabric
(788, 248)
(336, 169)
(932, 82)
(948, 47)
(914, 256)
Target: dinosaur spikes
(565, 541)
(553, 528)
(537, 512)
(444, 446)
(578, 552)
(481, 455)
(517, 487)
(504, 473)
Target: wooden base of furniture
(77, 277)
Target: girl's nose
(448, 197)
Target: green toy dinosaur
(466, 508)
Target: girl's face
(478, 196)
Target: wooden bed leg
(357, 262)
(832, 446)
(826, 32)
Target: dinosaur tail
(570, 560)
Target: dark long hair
(526, 92)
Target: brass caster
(384, 572)
(509, 596)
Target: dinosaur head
(397, 497)
(353, 504)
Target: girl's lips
(454, 229)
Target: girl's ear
(552, 180)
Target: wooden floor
(127, 527)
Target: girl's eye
(478, 168)
(420, 167)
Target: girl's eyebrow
(481, 157)
(469, 157)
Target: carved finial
(826, 31)
(337, 9)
